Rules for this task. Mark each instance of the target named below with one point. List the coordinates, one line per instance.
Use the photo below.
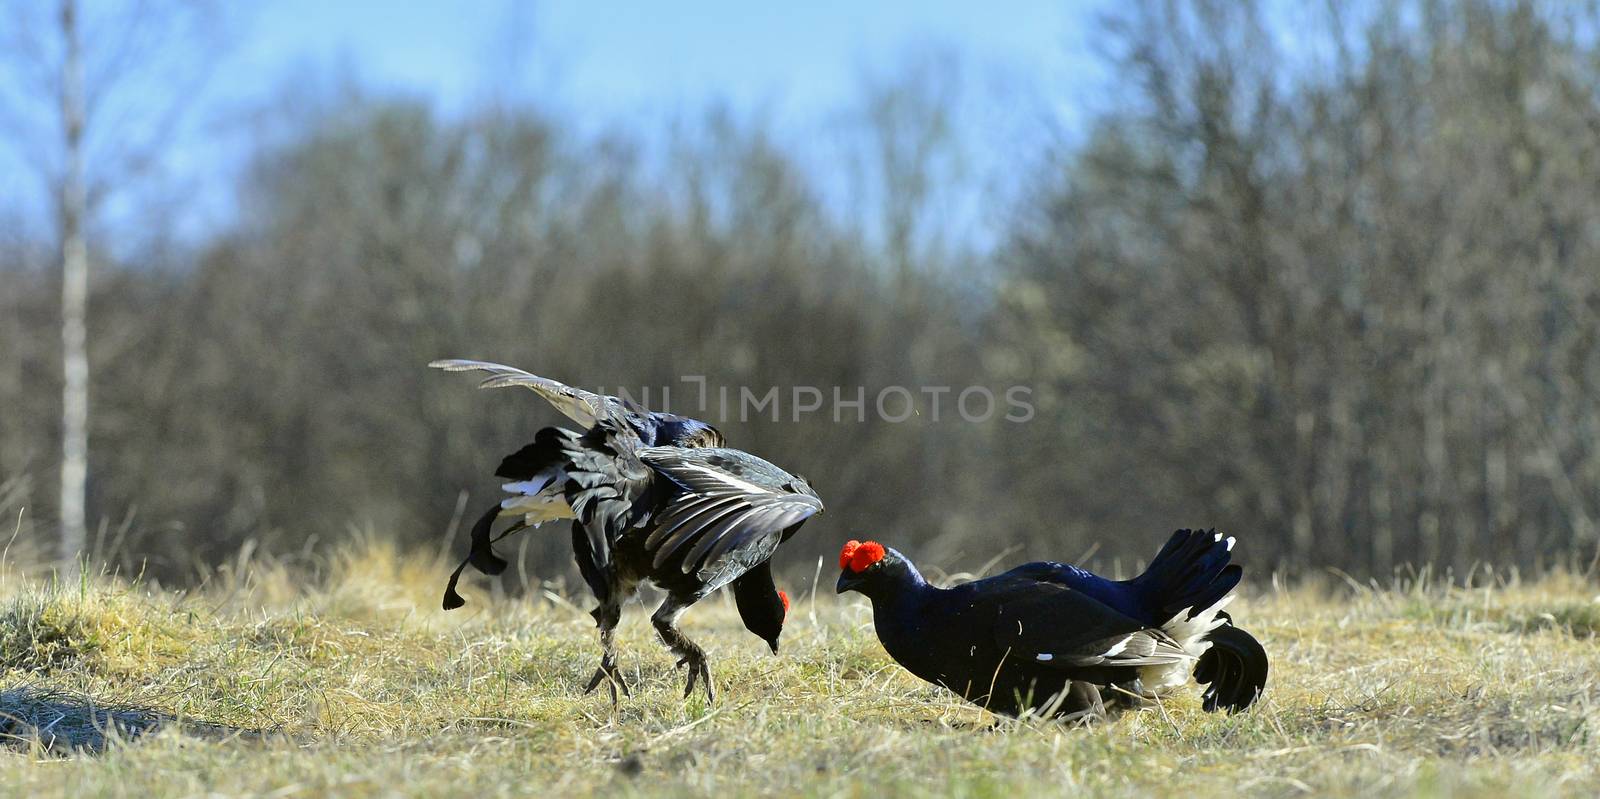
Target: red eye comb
(862, 557)
(848, 552)
(785, 598)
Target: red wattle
(847, 552)
(865, 555)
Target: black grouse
(1054, 639)
(653, 497)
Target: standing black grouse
(1053, 638)
(653, 496)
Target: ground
(354, 683)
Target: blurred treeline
(1341, 298)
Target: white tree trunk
(74, 300)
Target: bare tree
(909, 158)
(74, 206)
(1350, 304)
(101, 75)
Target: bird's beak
(847, 582)
(774, 644)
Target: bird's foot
(609, 673)
(1089, 716)
(1129, 695)
(699, 670)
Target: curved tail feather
(480, 555)
(1234, 670)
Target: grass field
(355, 684)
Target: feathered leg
(606, 617)
(603, 582)
(1082, 701)
(689, 653)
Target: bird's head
(870, 568)
(763, 614)
(682, 431)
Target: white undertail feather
(1190, 634)
(539, 500)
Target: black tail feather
(480, 554)
(453, 598)
(1191, 572)
(1234, 670)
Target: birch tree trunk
(74, 299)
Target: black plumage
(1053, 638)
(652, 497)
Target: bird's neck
(902, 582)
(907, 621)
(904, 606)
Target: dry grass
(356, 685)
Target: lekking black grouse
(1052, 638)
(653, 497)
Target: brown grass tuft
(351, 682)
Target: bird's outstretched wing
(1055, 626)
(732, 501)
(583, 407)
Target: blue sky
(619, 57)
(633, 65)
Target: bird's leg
(1084, 702)
(689, 653)
(606, 617)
